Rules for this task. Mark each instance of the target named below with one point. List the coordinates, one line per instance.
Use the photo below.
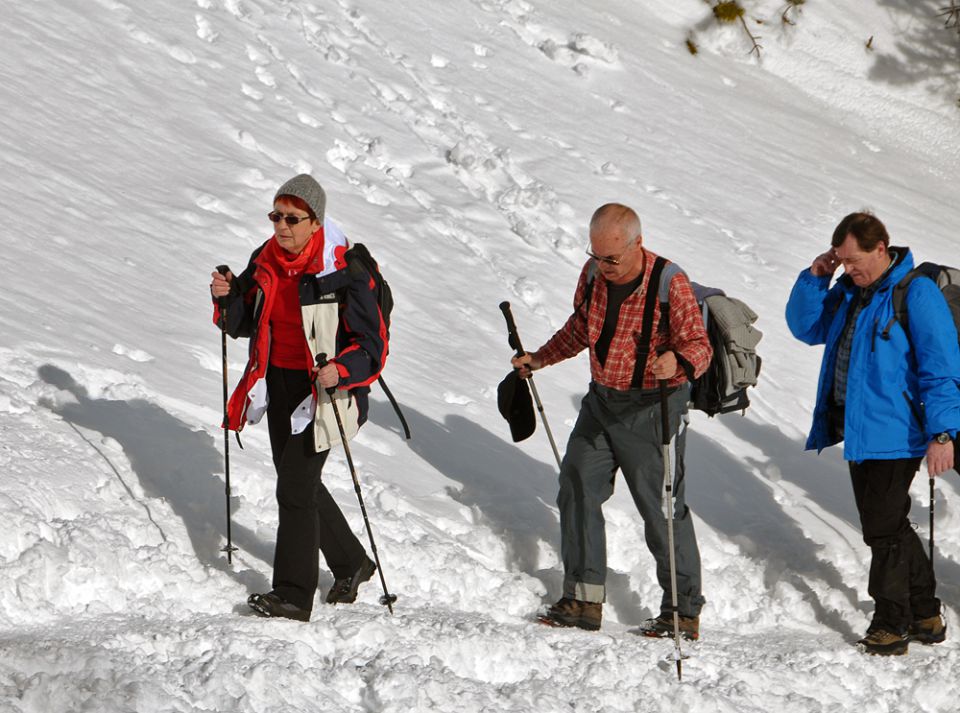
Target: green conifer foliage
(728, 11)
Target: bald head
(616, 219)
(615, 243)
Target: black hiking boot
(573, 612)
(662, 627)
(344, 589)
(273, 605)
(932, 630)
(881, 642)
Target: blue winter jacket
(890, 386)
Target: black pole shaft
(931, 525)
(514, 340)
(387, 599)
(222, 303)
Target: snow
(466, 143)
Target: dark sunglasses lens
(276, 217)
(603, 258)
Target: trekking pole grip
(512, 337)
(322, 362)
(223, 270)
(222, 301)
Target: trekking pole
(931, 525)
(514, 340)
(387, 599)
(222, 304)
(668, 494)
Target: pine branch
(731, 11)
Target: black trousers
(310, 520)
(901, 581)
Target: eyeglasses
(276, 217)
(609, 260)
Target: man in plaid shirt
(619, 425)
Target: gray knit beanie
(308, 190)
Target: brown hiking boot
(573, 612)
(884, 643)
(932, 630)
(662, 627)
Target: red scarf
(285, 264)
(288, 347)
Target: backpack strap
(669, 272)
(588, 288)
(396, 406)
(646, 328)
(899, 297)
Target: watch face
(943, 438)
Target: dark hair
(297, 202)
(865, 227)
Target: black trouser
(901, 579)
(310, 520)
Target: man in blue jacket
(892, 398)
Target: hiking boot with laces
(273, 605)
(932, 630)
(573, 612)
(881, 642)
(662, 627)
(344, 589)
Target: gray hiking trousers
(622, 429)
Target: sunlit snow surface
(466, 142)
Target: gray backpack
(735, 365)
(947, 279)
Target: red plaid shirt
(687, 337)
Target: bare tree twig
(791, 5)
(952, 13)
(754, 39)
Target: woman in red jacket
(300, 296)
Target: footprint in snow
(457, 399)
(254, 178)
(132, 354)
(205, 30)
(265, 77)
(211, 204)
(180, 54)
(309, 120)
(251, 92)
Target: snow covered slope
(466, 142)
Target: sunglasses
(609, 260)
(276, 217)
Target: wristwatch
(942, 438)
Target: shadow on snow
(173, 462)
